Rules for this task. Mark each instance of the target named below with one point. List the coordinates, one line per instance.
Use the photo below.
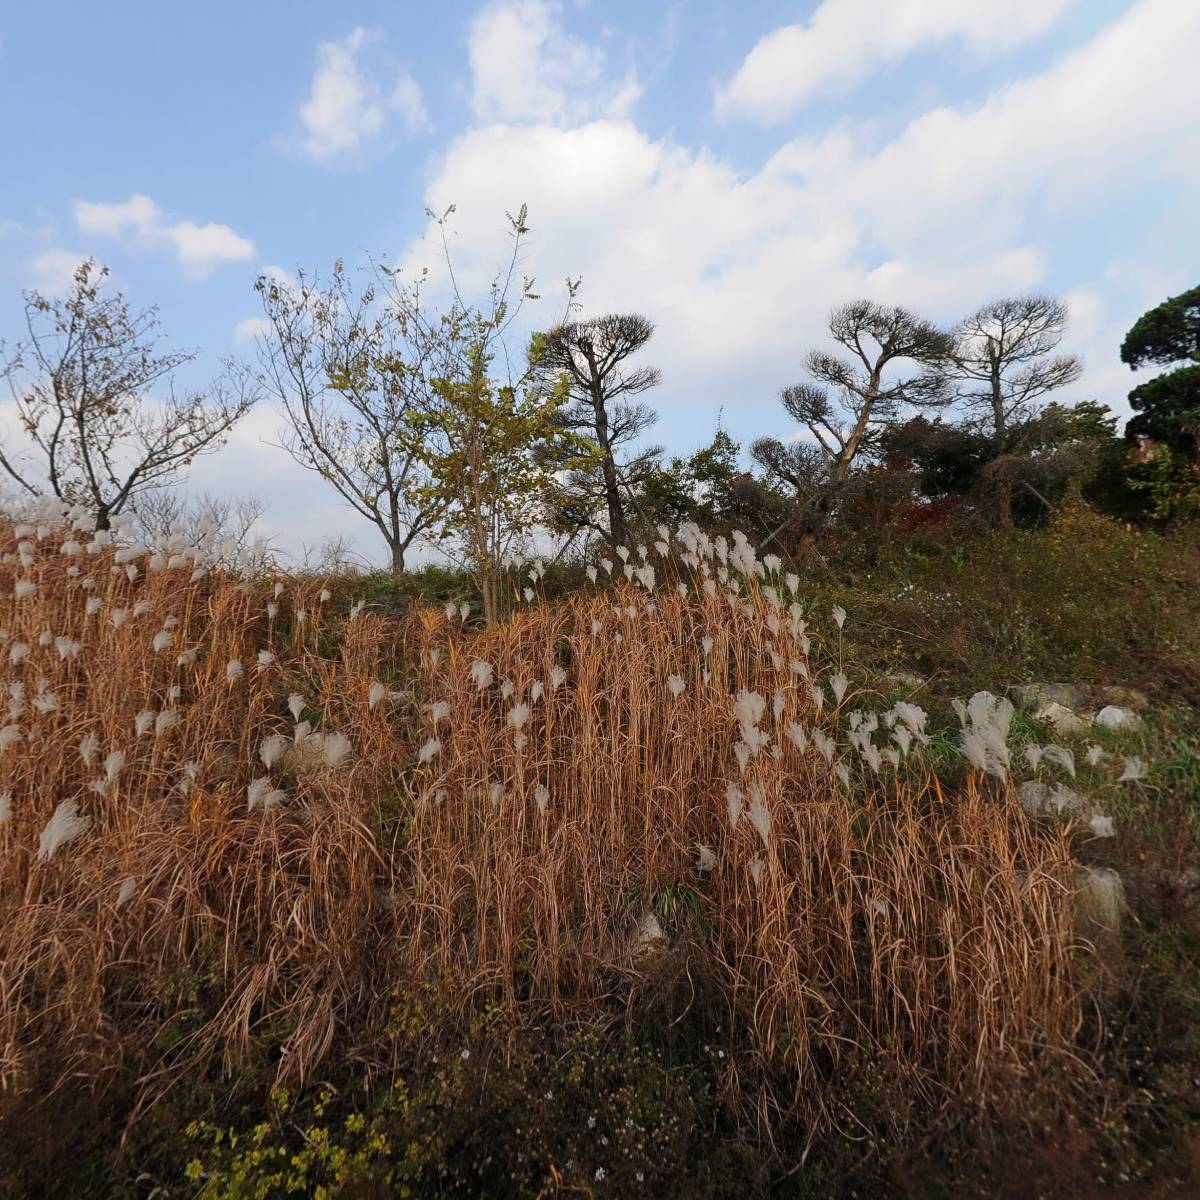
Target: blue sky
(731, 170)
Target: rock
(1113, 717)
(1040, 799)
(1064, 720)
(1123, 696)
(1099, 901)
(905, 680)
(1038, 695)
(648, 939)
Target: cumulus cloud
(845, 40)
(250, 329)
(739, 269)
(525, 66)
(140, 222)
(52, 272)
(349, 108)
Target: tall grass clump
(238, 815)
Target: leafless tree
(800, 467)
(593, 358)
(162, 514)
(853, 398)
(84, 381)
(1004, 360)
(351, 372)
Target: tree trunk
(397, 549)
(617, 528)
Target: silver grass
(125, 893)
(271, 749)
(1134, 771)
(733, 804)
(758, 813)
(114, 763)
(64, 826)
(335, 749)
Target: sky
(731, 170)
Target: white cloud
(349, 109)
(140, 221)
(249, 329)
(53, 271)
(525, 66)
(740, 270)
(845, 40)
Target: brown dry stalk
(885, 922)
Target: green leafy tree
(1167, 407)
(492, 449)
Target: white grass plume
(760, 816)
(64, 826)
(271, 749)
(733, 804)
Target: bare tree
(351, 374)
(160, 515)
(800, 467)
(853, 399)
(1003, 358)
(593, 356)
(82, 382)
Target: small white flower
(518, 715)
(839, 615)
(676, 686)
(376, 693)
(143, 721)
(481, 674)
(428, 751)
(233, 669)
(295, 705)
